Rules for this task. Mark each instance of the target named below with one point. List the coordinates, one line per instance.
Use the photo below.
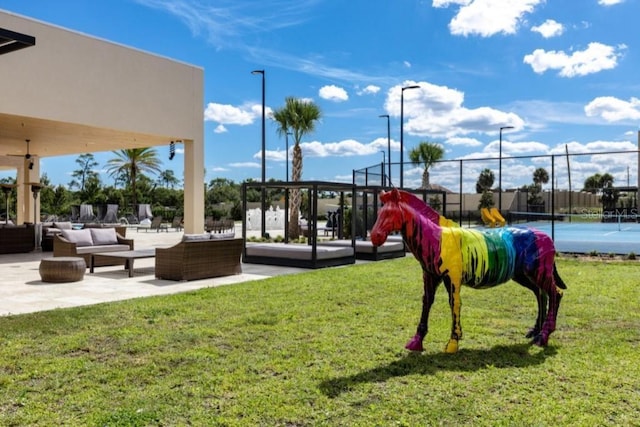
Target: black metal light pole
(384, 161)
(500, 169)
(286, 138)
(263, 193)
(402, 132)
(388, 144)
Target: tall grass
(326, 348)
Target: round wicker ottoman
(62, 269)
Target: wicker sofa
(50, 229)
(199, 257)
(16, 238)
(83, 243)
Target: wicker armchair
(200, 259)
(17, 238)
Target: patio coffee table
(129, 256)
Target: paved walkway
(22, 290)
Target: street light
(261, 72)
(500, 168)
(384, 161)
(402, 131)
(286, 138)
(388, 143)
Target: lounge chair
(177, 223)
(156, 224)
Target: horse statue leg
(553, 288)
(453, 288)
(430, 285)
(541, 298)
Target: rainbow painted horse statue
(459, 256)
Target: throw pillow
(79, 237)
(62, 225)
(104, 236)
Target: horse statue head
(399, 206)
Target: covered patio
(68, 93)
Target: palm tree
(426, 154)
(485, 181)
(540, 176)
(299, 117)
(131, 163)
(167, 178)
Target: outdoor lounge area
(24, 291)
(310, 253)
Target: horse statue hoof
(452, 347)
(540, 340)
(415, 344)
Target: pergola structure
(68, 93)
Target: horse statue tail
(559, 282)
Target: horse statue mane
(417, 204)
(459, 256)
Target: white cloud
(345, 148)
(447, 3)
(549, 28)
(520, 148)
(609, 2)
(468, 142)
(438, 111)
(245, 165)
(220, 129)
(595, 58)
(613, 109)
(369, 90)
(487, 17)
(230, 115)
(406, 64)
(333, 93)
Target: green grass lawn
(327, 348)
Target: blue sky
(563, 76)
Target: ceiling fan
(27, 156)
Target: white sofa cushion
(223, 236)
(195, 237)
(102, 248)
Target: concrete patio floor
(23, 291)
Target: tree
(540, 176)
(485, 181)
(167, 178)
(300, 117)
(223, 190)
(595, 183)
(426, 154)
(131, 163)
(483, 186)
(87, 164)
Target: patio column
(25, 205)
(193, 186)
